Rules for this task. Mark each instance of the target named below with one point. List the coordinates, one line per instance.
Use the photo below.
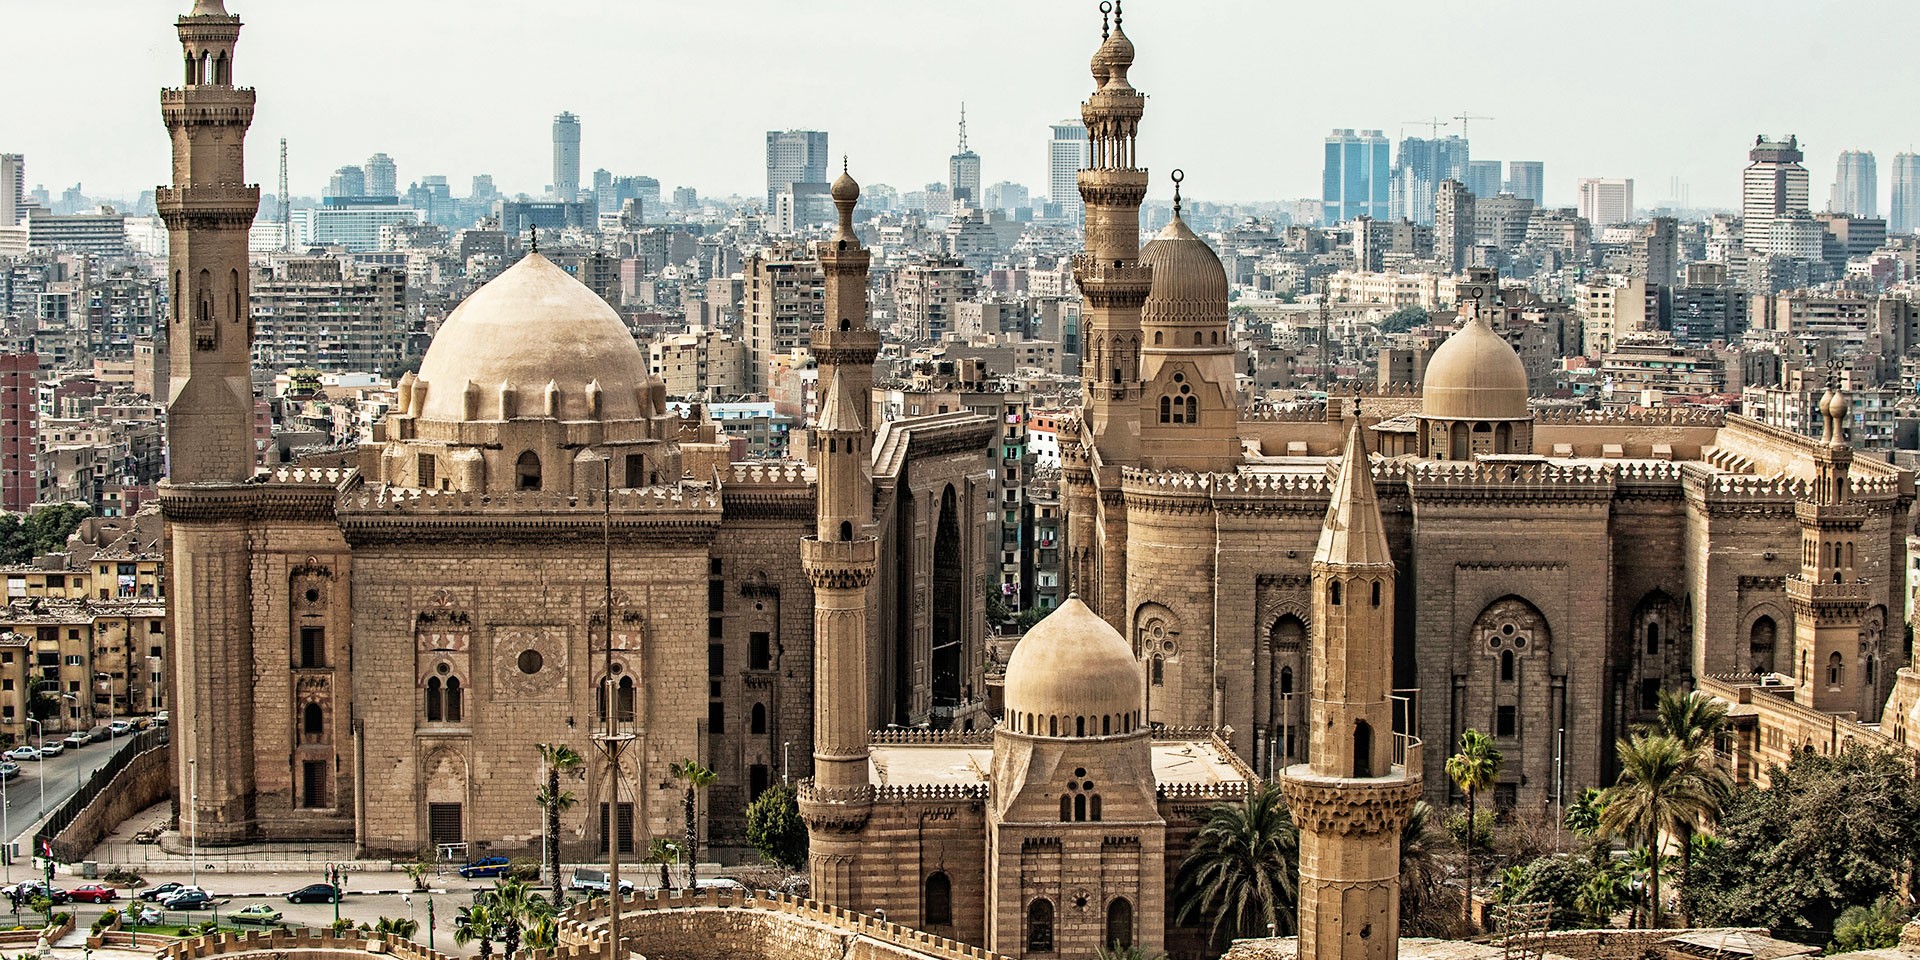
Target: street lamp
(193, 824)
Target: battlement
(295, 945)
(410, 500)
(1314, 411)
(1231, 790)
(1633, 416)
(766, 473)
(933, 791)
(308, 476)
(944, 738)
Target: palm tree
(697, 778)
(476, 922)
(1421, 870)
(1241, 873)
(399, 928)
(558, 758)
(1662, 785)
(1473, 769)
(515, 904)
(1690, 717)
(541, 934)
(663, 852)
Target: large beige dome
(1189, 285)
(1073, 675)
(1475, 375)
(532, 326)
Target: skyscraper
(13, 188)
(1066, 154)
(1452, 224)
(794, 156)
(1527, 179)
(1483, 177)
(963, 170)
(348, 181)
(566, 157)
(1773, 187)
(1856, 185)
(1905, 215)
(1418, 169)
(1606, 201)
(382, 179)
(1355, 176)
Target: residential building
(1795, 405)
(785, 296)
(13, 189)
(1606, 201)
(566, 158)
(1453, 225)
(926, 294)
(382, 177)
(1528, 179)
(1772, 187)
(1856, 186)
(1354, 180)
(1500, 219)
(1655, 253)
(347, 182)
(1645, 370)
(701, 364)
(327, 315)
(18, 445)
(794, 156)
(355, 229)
(1611, 308)
(102, 234)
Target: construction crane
(1435, 124)
(1464, 117)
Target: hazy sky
(1242, 92)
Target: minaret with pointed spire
(840, 560)
(206, 498)
(1352, 798)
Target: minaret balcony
(1801, 590)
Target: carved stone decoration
(530, 663)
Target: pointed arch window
(938, 901)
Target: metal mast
(286, 202)
(612, 742)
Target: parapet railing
(767, 472)
(932, 791)
(411, 500)
(280, 942)
(946, 737)
(1636, 416)
(324, 476)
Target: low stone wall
(147, 780)
(1622, 944)
(748, 925)
(295, 945)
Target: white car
(24, 752)
(120, 728)
(53, 749)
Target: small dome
(1189, 285)
(1072, 665)
(1475, 375)
(845, 188)
(1117, 52)
(1099, 67)
(208, 8)
(534, 325)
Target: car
(718, 883)
(9, 770)
(160, 719)
(120, 728)
(314, 893)
(149, 835)
(53, 749)
(99, 735)
(260, 913)
(188, 898)
(485, 867)
(77, 739)
(34, 888)
(95, 893)
(162, 891)
(24, 752)
(593, 881)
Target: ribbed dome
(1475, 375)
(1073, 666)
(1189, 285)
(533, 325)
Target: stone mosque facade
(374, 653)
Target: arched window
(453, 700)
(1040, 926)
(1166, 409)
(312, 723)
(1653, 638)
(1159, 670)
(1079, 726)
(1506, 665)
(1119, 924)
(1834, 667)
(1079, 807)
(623, 699)
(1458, 442)
(1093, 808)
(1053, 726)
(1066, 808)
(1760, 644)
(1106, 725)
(1362, 749)
(1376, 593)
(434, 714)
(1193, 409)
(1286, 679)
(1196, 338)
(758, 721)
(938, 907)
(1157, 337)
(1503, 439)
(1333, 592)
(846, 531)
(527, 471)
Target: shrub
(1868, 928)
(125, 878)
(524, 868)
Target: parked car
(53, 749)
(77, 739)
(717, 883)
(149, 835)
(188, 898)
(9, 770)
(120, 728)
(34, 888)
(162, 891)
(99, 735)
(314, 893)
(95, 893)
(485, 867)
(24, 752)
(260, 913)
(595, 881)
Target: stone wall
(145, 782)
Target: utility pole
(612, 742)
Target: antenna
(286, 202)
(1464, 117)
(963, 129)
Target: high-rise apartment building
(566, 157)
(1354, 180)
(1483, 177)
(1655, 256)
(1453, 224)
(785, 296)
(13, 189)
(18, 489)
(1606, 201)
(382, 178)
(1904, 217)
(1773, 187)
(314, 312)
(1067, 153)
(963, 170)
(1527, 179)
(925, 295)
(1418, 169)
(348, 181)
(1856, 185)
(483, 188)
(795, 156)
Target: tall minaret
(1828, 597)
(1111, 278)
(210, 453)
(1352, 798)
(844, 343)
(840, 559)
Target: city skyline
(901, 129)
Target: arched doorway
(949, 586)
(1280, 680)
(1762, 644)
(1119, 924)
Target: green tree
(1558, 880)
(698, 778)
(1473, 769)
(558, 758)
(1696, 720)
(775, 829)
(1873, 927)
(1425, 908)
(1830, 831)
(541, 934)
(1403, 319)
(665, 853)
(476, 922)
(1662, 786)
(418, 872)
(44, 531)
(1583, 817)
(399, 928)
(1241, 875)
(515, 905)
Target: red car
(95, 893)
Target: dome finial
(533, 238)
(1116, 14)
(1178, 175)
(1106, 7)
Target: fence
(63, 815)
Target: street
(59, 777)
